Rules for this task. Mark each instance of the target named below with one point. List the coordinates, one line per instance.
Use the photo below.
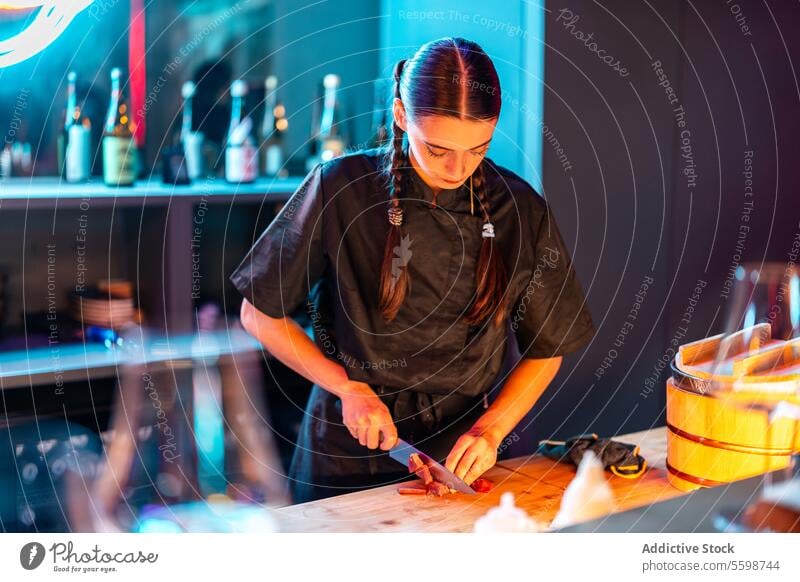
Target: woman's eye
(435, 154)
(480, 153)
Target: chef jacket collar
(456, 199)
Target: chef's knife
(403, 450)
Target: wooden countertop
(537, 482)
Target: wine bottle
(174, 159)
(119, 149)
(241, 159)
(192, 141)
(330, 128)
(69, 121)
(75, 139)
(272, 130)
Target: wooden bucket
(715, 437)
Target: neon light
(51, 20)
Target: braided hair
(437, 80)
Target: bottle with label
(272, 130)
(241, 157)
(119, 148)
(74, 142)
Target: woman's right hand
(367, 418)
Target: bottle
(119, 149)
(272, 130)
(69, 121)
(192, 141)
(328, 141)
(379, 134)
(330, 127)
(74, 143)
(240, 153)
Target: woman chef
(413, 262)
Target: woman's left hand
(473, 454)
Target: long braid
(395, 282)
(491, 278)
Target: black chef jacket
(324, 249)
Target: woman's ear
(399, 113)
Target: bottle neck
(268, 126)
(113, 107)
(71, 106)
(186, 127)
(236, 115)
(328, 112)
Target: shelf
(84, 361)
(45, 192)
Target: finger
(362, 435)
(373, 434)
(479, 467)
(456, 453)
(389, 433)
(465, 464)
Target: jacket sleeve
(288, 258)
(551, 316)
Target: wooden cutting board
(538, 484)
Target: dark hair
(442, 78)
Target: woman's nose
(458, 166)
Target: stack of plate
(104, 308)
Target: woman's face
(447, 150)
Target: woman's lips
(452, 181)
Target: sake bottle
(119, 149)
(240, 153)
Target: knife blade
(403, 450)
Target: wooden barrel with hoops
(720, 399)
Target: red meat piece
(482, 485)
(411, 491)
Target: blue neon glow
(51, 20)
(750, 316)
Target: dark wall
(635, 209)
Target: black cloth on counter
(622, 459)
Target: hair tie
(395, 216)
(488, 230)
